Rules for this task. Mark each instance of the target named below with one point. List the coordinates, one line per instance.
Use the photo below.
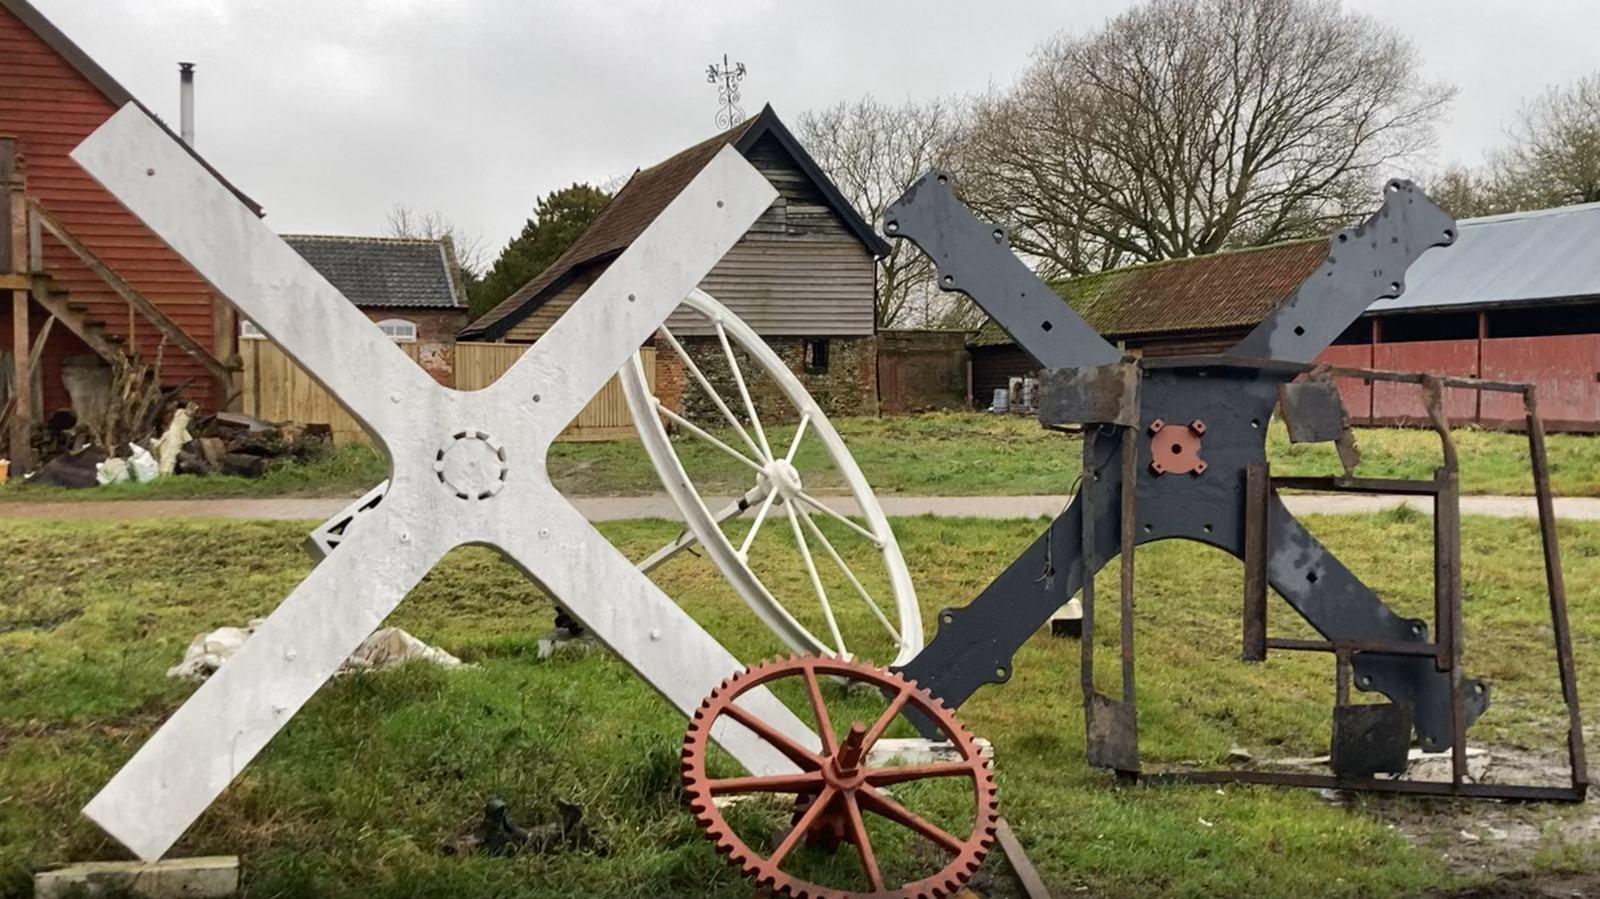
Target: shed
(803, 276)
(1517, 298)
(107, 284)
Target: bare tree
(1554, 159)
(470, 251)
(1186, 126)
(873, 151)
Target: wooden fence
(274, 388)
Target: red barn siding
(1565, 368)
(50, 108)
(1393, 402)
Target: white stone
(212, 877)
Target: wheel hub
(782, 476)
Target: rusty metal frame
(1449, 644)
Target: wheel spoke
(884, 720)
(881, 805)
(796, 753)
(687, 538)
(830, 746)
(818, 805)
(781, 783)
(744, 392)
(850, 575)
(697, 431)
(883, 777)
(705, 384)
(761, 515)
(863, 845)
(816, 580)
(799, 432)
(814, 503)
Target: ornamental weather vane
(727, 77)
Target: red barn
(110, 285)
(1517, 298)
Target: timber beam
(132, 296)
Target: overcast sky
(329, 112)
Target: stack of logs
(243, 446)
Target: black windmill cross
(1200, 424)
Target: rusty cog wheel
(834, 788)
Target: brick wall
(436, 336)
(849, 386)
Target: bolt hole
(1206, 528)
(1343, 238)
(719, 204)
(536, 397)
(1047, 326)
(944, 179)
(949, 280)
(1416, 629)
(632, 298)
(891, 226)
(947, 619)
(1255, 423)
(1299, 331)
(1394, 285)
(1149, 528)
(1177, 448)
(1311, 577)
(1477, 688)
(999, 235)
(1366, 682)
(149, 171)
(1000, 673)
(1449, 234)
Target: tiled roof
(384, 271)
(1204, 293)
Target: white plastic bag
(111, 471)
(142, 463)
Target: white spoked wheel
(779, 492)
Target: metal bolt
(544, 532)
(290, 654)
(655, 633)
(149, 171)
(405, 536)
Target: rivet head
(290, 654)
(544, 532)
(655, 633)
(405, 536)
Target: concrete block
(211, 877)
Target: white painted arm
(196, 215)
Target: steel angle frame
(466, 468)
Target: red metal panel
(1396, 403)
(49, 107)
(1565, 368)
(1356, 393)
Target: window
(249, 331)
(816, 356)
(399, 330)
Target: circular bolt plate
(472, 465)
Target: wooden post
(21, 387)
(16, 256)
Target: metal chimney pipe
(186, 102)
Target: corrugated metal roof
(1548, 254)
(384, 271)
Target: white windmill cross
(467, 468)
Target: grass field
(924, 455)
(357, 794)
